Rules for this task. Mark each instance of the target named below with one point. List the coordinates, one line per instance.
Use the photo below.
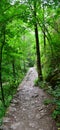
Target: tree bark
(1, 49)
(37, 47)
(44, 35)
(13, 69)
(2, 92)
(38, 54)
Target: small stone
(40, 129)
(14, 101)
(5, 128)
(38, 116)
(31, 124)
(35, 95)
(6, 119)
(24, 109)
(15, 125)
(34, 125)
(1, 128)
(12, 109)
(12, 105)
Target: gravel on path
(27, 110)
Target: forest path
(27, 110)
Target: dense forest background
(29, 36)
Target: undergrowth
(9, 91)
(55, 102)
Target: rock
(14, 101)
(1, 127)
(15, 125)
(34, 125)
(5, 128)
(12, 109)
(35, 95)
(6, 119)
(12, 105)
(38, 116)
(40, 129)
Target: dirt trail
(27, 111)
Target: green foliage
(55, 102)
(36, 82)
(18, 47)
(56, 113)
(41, 84)
(10, 88)
(8, 100)
(2, 112)
(47, 101)
(2, 109)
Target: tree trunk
(44, 35)
(13, 69)
(1, 49)
(2, 92)
(38, 54)
(24, 67)
(37, 47)
(44, 39)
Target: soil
(27, 110)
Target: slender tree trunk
(2, 92)
(44, 39)
(24, 67)
(13, 69)
(44, 35)
(38, 54)
(1, 49)
(37, 47)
